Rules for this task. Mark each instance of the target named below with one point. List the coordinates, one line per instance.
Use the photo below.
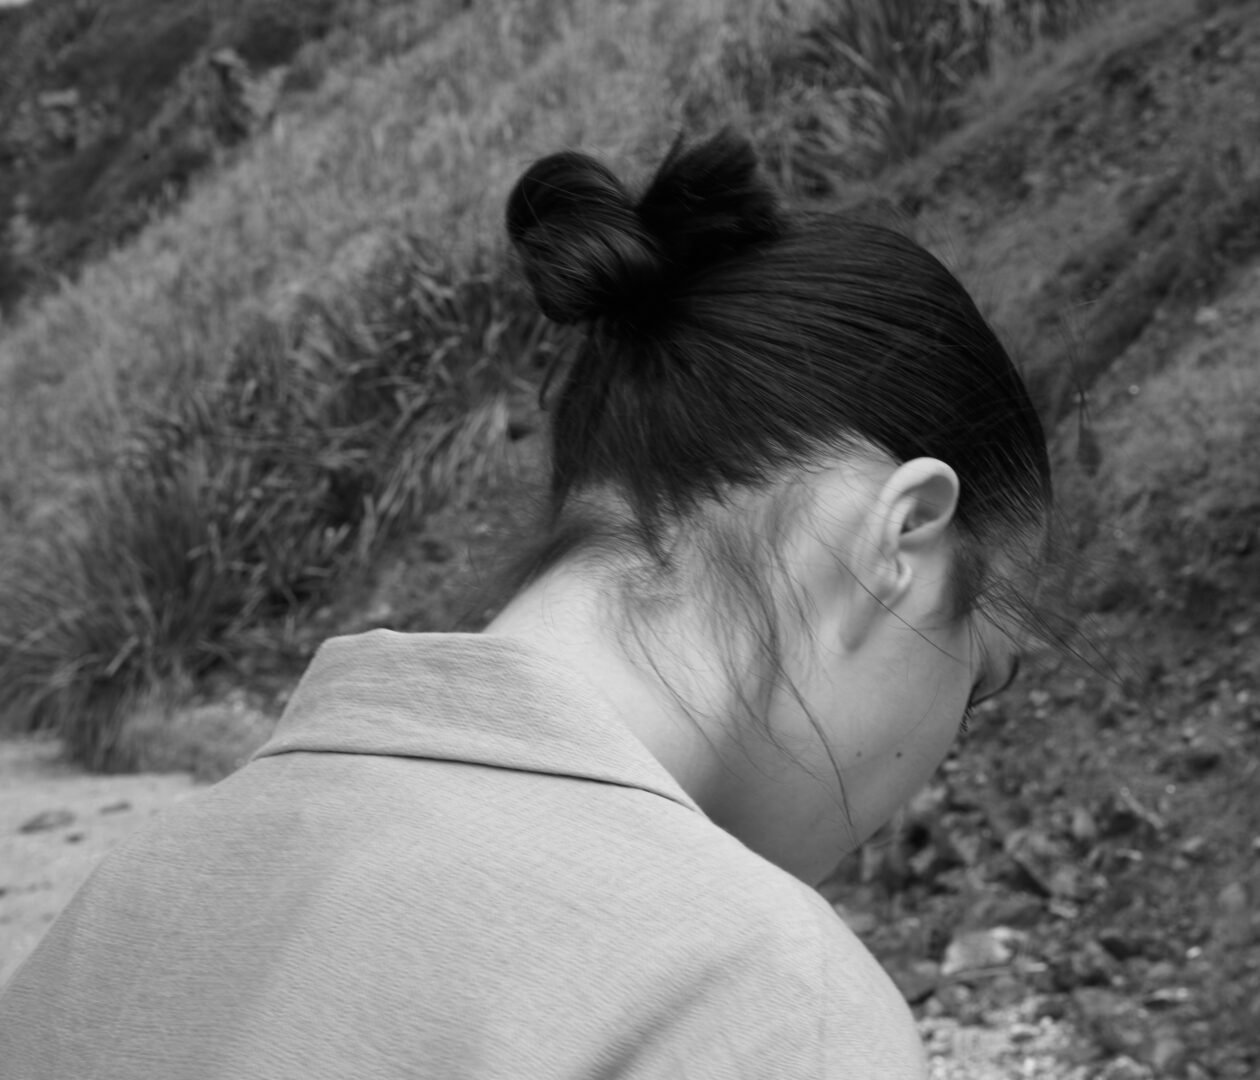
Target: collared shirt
(452, 860)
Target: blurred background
(266, 376)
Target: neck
(566, 615)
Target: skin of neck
(566, 615)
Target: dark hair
(728, 342)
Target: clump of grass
(140, 131)
(1182, 499)
(865, 85)
(240, 499)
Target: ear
(904, 542)
(878, 529)
(918, 502)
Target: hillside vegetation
(108, 110)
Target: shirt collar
(471, 698)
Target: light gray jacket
(451, 861)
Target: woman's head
(772, 416)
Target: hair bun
(709, 203)
(590, 251)
(585, 250)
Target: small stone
(968, 846)
(1118, 944)
(1124, 1068)
(1084, 827)
(1005, 991)
(1202, 756)
(74, 838)
(1121, 814)
(1051, 1007)
(1015, 909)
(1067, 882)
(924, 862)
(1207, 316)
(115, 808)
(1118, 1025)
(1167, 1056)
(1062, 909)
(959, 1002)
(59, 99)
(978, 949)
(1193, 847)
(928, 805)
(938, 1038)
(1090, 965)
(1232, 899)
(1037, 855)
(1023, 1033)
(49, 819)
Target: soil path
(56, 821)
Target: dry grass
(866, 85)
(146, 111)
(243, 494)
(1181, 499)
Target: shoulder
(753, 953)
(865, 1027)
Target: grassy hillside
(108, 110)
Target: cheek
(939, 715)
(905, 741)
(919, 710)
(906, 711)
(887, 728)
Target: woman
(795, 487)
